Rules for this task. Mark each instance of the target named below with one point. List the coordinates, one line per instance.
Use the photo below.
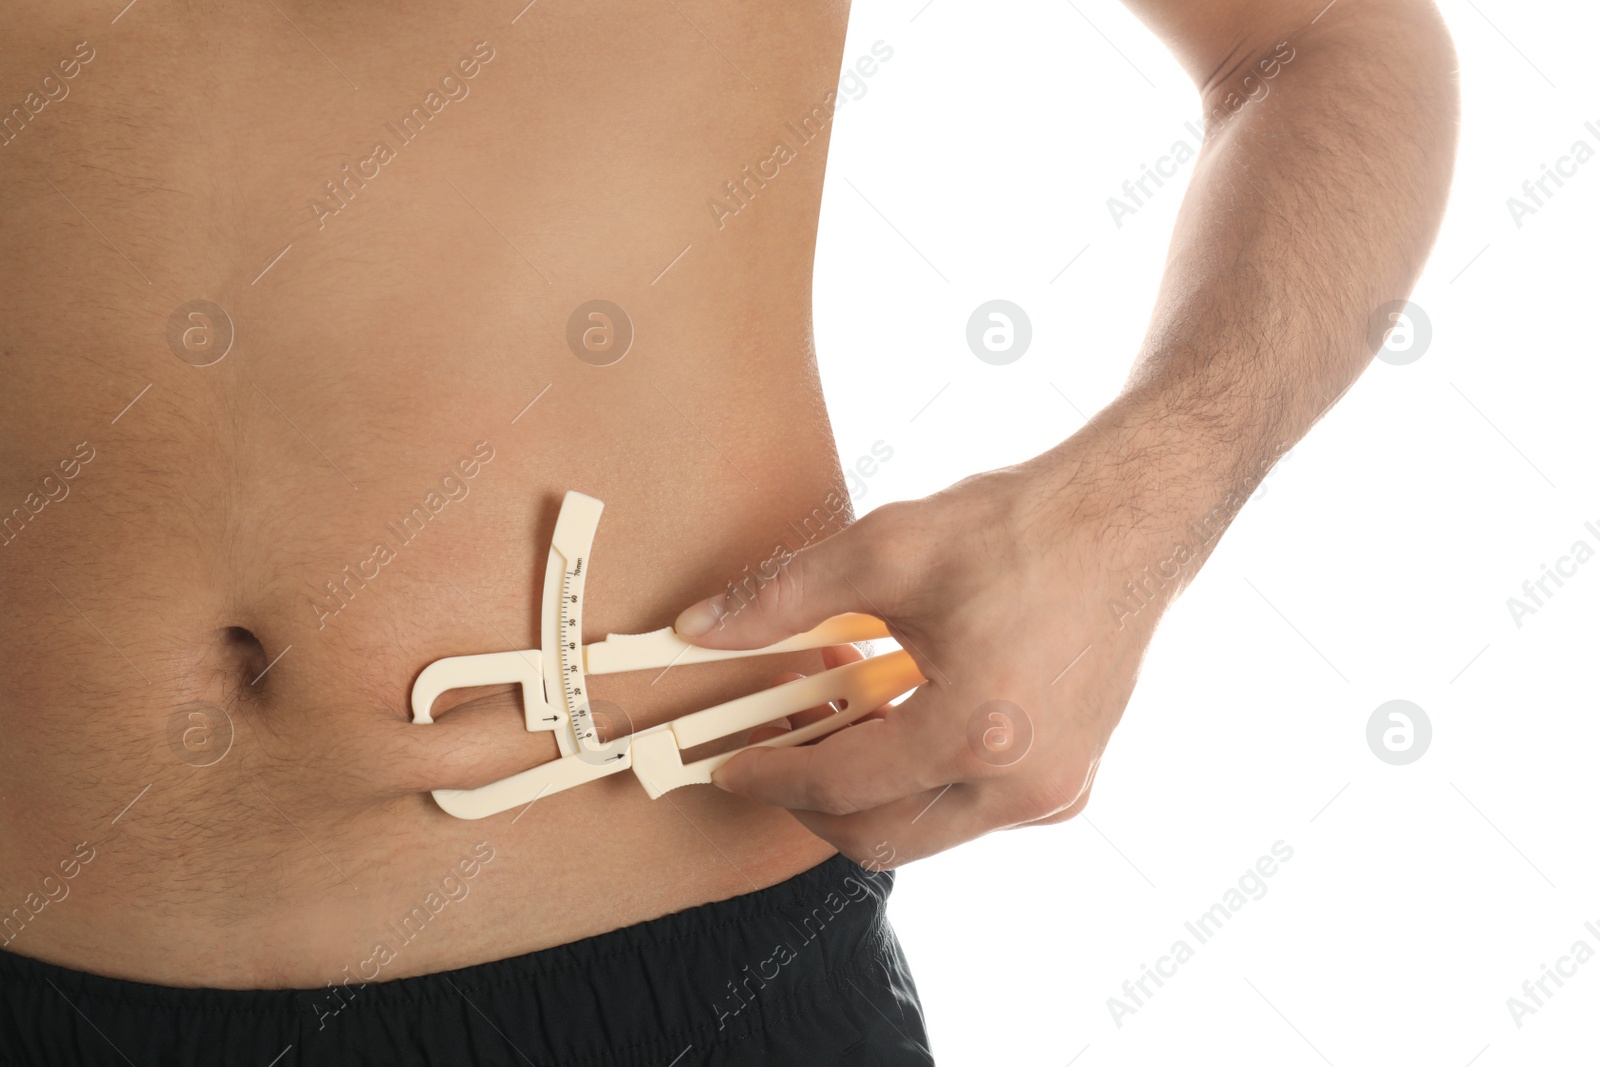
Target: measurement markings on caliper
(571, 641)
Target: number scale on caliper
(573, 688)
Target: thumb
(793, 592)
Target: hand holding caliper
(555, 695)
(1036, 588)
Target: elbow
(1414, 61)
(1378, 74)
(1435, 81)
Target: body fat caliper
(555, 695)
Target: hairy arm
(1028, 595)
(1330, 141)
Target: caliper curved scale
(555, 695)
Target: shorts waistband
(641, 991)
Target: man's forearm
(1311, 205)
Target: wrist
(1143, 494)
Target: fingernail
(701, 618)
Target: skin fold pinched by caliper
(555, 694)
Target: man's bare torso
(221, 578)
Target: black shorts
(806, 973)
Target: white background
(1375, 566)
